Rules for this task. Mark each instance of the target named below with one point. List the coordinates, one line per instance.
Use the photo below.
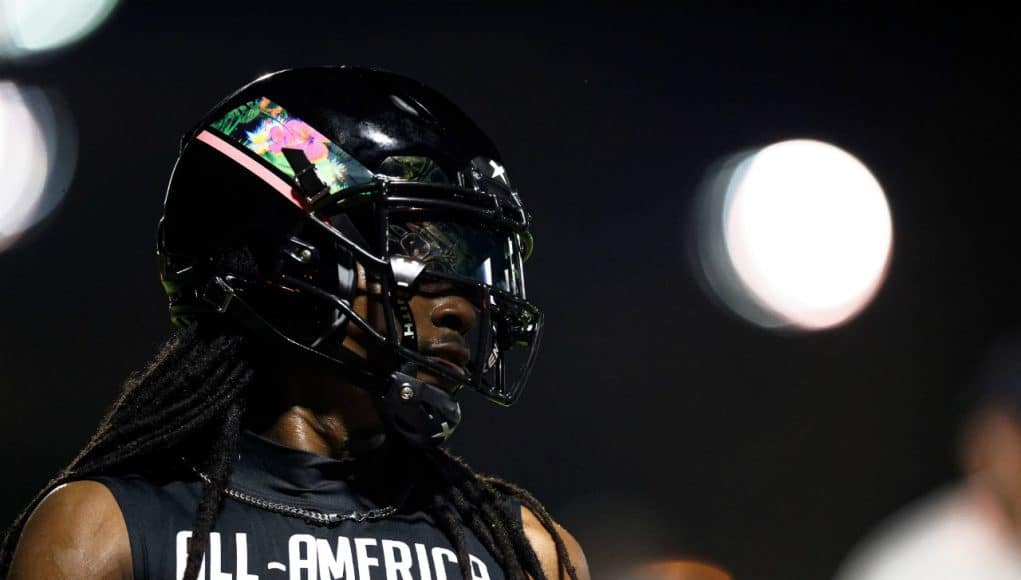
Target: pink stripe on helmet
(258, 169)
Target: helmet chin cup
(424, 415)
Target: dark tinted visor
(469, 250)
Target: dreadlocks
(194, 393)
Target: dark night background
(655, 423)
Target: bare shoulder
(76, 531)
(546, 549)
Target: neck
(326, 434)
(303, 403)
(379, 471)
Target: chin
(439, 382)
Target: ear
(367, 303)
(361, 284)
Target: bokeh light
(794, 235)
(39, 149)
(680, 570)
(29, 27)
(619, 532)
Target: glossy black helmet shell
(271, 232)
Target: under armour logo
(445, 433)
(498, 171)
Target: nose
(454, 312)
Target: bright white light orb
(808, 232)
(26, 163)
(32, 26)
(39, 149)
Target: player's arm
(545, 548)
(76, 532)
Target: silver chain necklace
(310, 516)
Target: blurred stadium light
(794, 235)
(39, 148)
(30, 27)
(680, 570)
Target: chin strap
(424, 415)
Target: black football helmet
(294, 178)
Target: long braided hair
(194, 392)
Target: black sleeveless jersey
(253, 543)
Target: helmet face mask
(466, 254)
(442, 221)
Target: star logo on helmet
(498, 171)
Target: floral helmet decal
(266, 129)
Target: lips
(450, 355)
(446, 363)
